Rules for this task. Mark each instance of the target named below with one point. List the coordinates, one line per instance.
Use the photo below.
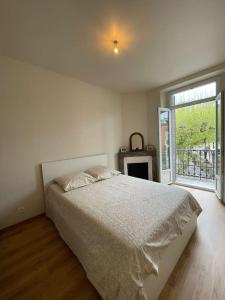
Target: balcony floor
(208, 184)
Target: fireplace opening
(139, 170)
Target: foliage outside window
(195, 126)
(195, 132)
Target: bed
(128, 233)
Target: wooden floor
(36, 264)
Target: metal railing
(196, 163)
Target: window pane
(198, 93)
(165, 139)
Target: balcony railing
(199, 164)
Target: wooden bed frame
(153, 285)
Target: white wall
(140, 113)
(134, 115)
(45, 116)
(153, 105)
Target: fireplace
(139, 170)
(140, 164)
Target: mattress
(119, 229)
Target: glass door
(165, 145)
(219, 176)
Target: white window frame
(169, 97)
(169, 171)
(170, 94)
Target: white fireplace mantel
(139, 159)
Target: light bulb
(116, 50)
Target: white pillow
(75, 180)
(101, 172)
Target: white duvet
(119, 227)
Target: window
(194, 94)
(165, 139)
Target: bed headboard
(54, 169)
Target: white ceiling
(160, 40)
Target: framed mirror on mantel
(136, 142)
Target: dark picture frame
(132, 145)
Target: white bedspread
(118, 229)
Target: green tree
(195, 125)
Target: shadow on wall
(39, 180)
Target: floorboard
(36, 264)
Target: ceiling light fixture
(115, 43)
